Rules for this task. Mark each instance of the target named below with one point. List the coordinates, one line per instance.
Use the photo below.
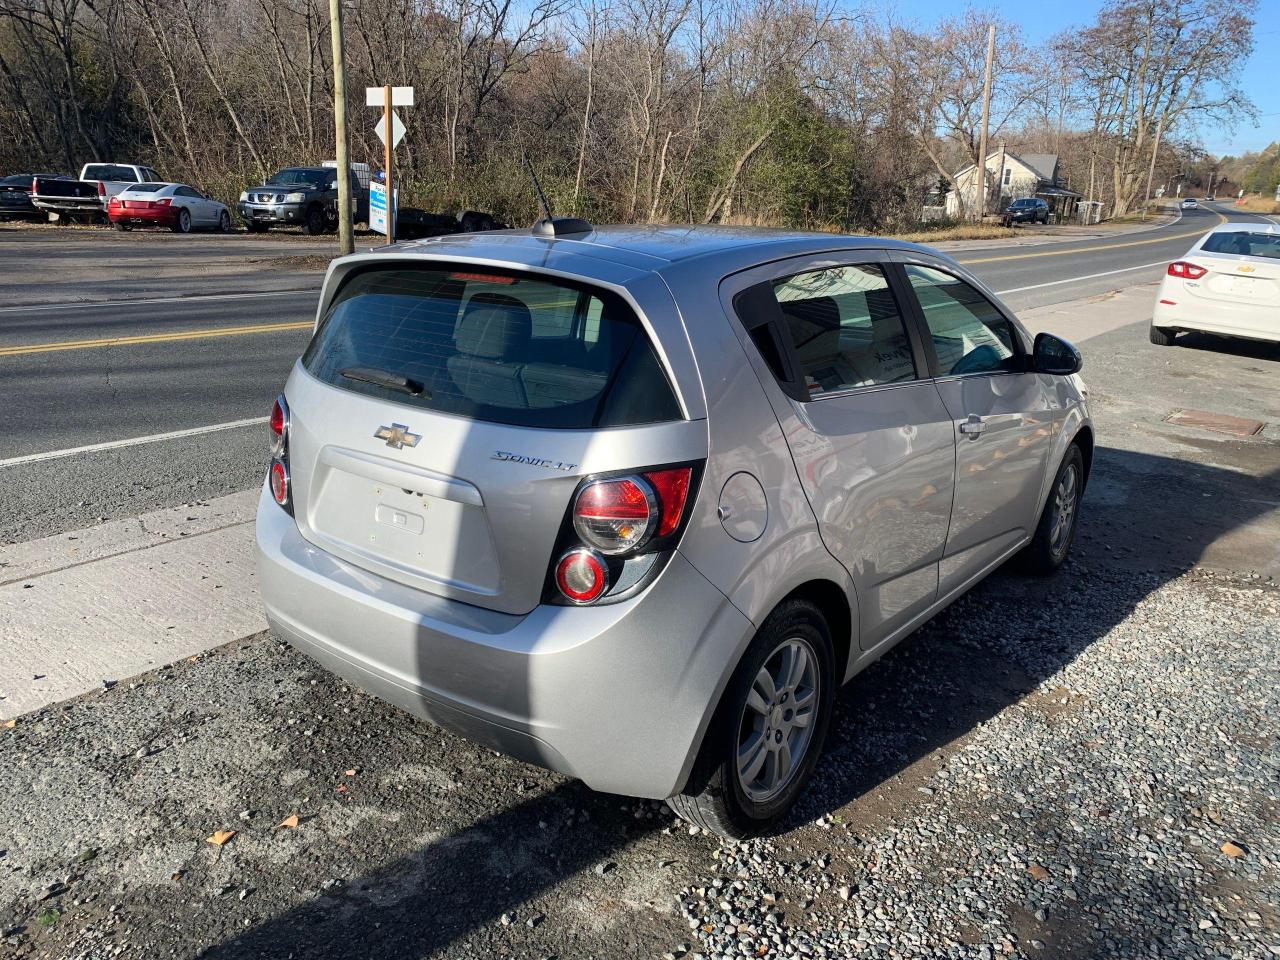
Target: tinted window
(110, 172)
(1243, 243)
(187, 192)
(17, 180)
(144, 188)
(846, 328)
(969, 334)
(492, 346)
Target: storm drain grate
(1217, 422)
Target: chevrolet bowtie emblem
(397, 436)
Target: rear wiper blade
(385, 378)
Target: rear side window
(500, 347)
(846, 328)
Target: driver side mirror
(1054, 355)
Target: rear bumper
(148, 218)
(618, 696)
(70, 204)
(272, 212)
(1248, 321)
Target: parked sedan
(174, 205)
(1228, 283)
(513, 489)
(15, 193)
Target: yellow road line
(153, 338)
(1104, 246)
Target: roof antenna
(548, 225)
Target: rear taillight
(582, 576)
(163, 203)
(113, 203)
(672, 488)
(623, 525)
(102, 189)
(280, 482)
(615, 516)
(278, 472)
(1186, 271)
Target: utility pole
(1151, 170)
(346, 232)
(986, 113)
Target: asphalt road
(152, 334)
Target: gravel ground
(1049, 769)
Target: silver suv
(633, 503)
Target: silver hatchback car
(632, 503)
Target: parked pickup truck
(88, 196)
(303, 196)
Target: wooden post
(986, 113)
(346, 232)
(388, 158)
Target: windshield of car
(17, 180)
(301, 175)
(501, 347)
(1021, 204)
(1243, 243)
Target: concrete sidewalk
(100, 605)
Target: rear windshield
(145, 188)
(1244, 243)
(110, 172)
(492, 346)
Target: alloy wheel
(1065, 497)
(776, 727)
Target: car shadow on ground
(1145, 520)
(1235, 346)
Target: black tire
(315, 222)
(183, 223)
(1162, 337)
(1049, 548)
(224, 222)
(714, 798)
(123, 227)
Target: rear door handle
(973, 427)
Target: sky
(1260, 77)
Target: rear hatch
(444, 414)
(1243, 265)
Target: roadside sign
(400, 96)
(378, 207)
(397, 129)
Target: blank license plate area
(411, 532)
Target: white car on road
(1228, 284)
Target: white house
(1010, 176)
